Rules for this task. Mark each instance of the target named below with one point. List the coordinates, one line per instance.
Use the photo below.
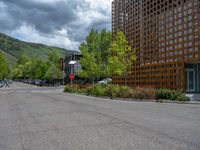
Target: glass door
(190, 80)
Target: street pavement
(45, 118)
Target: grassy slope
(15, 48)
(12, 60)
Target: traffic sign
(71, 76)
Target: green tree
(44, 66)
(23, 59)
(4, 67)
(17, 72)
(88, 61)
(105, 41)
(54, 57)
(122, 57)
(53, 68)
(21, 69)
(27, 68)
(96, 52)
(53, 73)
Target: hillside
(14, 48)
(12, 60)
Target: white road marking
(6, 92)
(33, 91)
(22, 91)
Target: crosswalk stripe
(32, 91)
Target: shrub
(163, 94)
(70, 89)
(169, 94)
(76, 88)
(124, 92)
(83, 91)
(143, 93)
(182, 97)
(98, 90)
(112, 90)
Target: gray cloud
(50, 19)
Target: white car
(105, 81)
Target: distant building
(72, 65)
(166, 36)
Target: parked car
(38, 82)
(105, 81)
(10, 81)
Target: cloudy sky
(62, 23)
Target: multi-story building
(71, 65)
(166, 37)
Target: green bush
(70, 89)
(98, 90)
(163, 93)
(75, 89)
(112, 90)
(124, 92)
(169, 94)
(83, 91)
(109, 90)
(182, 97)
(119, 91)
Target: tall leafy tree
(4, 67)
(23, 59)
(54, 57)
(122, 57)
(105, 41)
(27, 68)
(54, 71)
(88, 61)
(17, 72)
(96, 52)
(21, 69)
(35, 69)
(44, 66)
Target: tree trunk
(125, 80)
(126, 74)
(92, 81)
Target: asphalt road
(34, 118)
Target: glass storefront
(193, 78)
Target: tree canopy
(4, 66)
(103, 57)
(34, 68)
(123, 56)
(54, 72)
(54, 57)
(95, 51)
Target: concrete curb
(140, 100)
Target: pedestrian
(6, 84)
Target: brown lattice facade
(166, 36)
